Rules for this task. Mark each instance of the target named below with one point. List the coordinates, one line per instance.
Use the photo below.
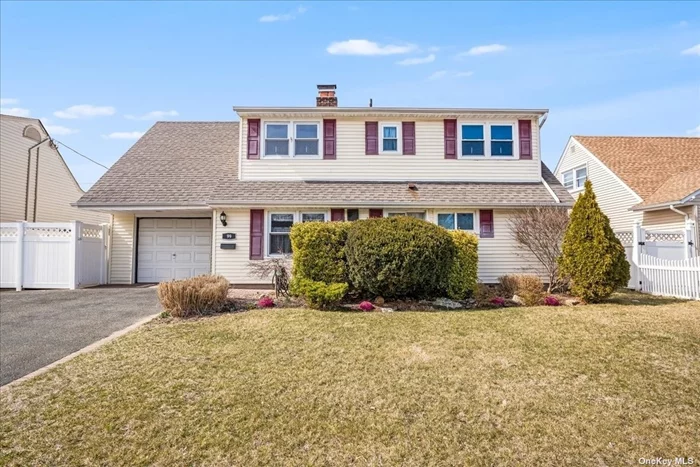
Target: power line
(81, 155)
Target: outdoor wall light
(222, 218)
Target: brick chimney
(326, 96)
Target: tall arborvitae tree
(592, 256)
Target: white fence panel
(675, 278)
(44, 255)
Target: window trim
(269, 233)
(291, 138)
(575, 188)
(454, 213)
(487, 139)
(399, 138)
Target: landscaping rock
(572, 302)
(379, 301)
(386, 310)
(447, 304)
(517, 300)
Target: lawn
(596, 385)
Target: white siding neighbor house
(36, 185)
(651, 180)
(198, 197)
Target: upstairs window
(292, 139)
(473, 140)
(390, 138)
(501, 140)
(456, 220)
(575, 179)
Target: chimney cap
(326, 86)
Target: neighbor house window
(416, 214)
(501, 140)
(353, 214)
(575, 179)
(473, 140)
(313, 217)
(292, 139)
(456, 220)
(390, 137)
(280, 225)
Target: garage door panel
(171, 248)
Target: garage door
(173, 249)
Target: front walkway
(38, 327)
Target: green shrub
(398, 257)
(592, 256)
(194, 296)
(319, 251)
(530, 289)
(463, 274)
(319, 294)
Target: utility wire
(81, 155)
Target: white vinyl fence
(43, 255)
(665, 263)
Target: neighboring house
(199, 197)
(36, 185)
(653, 180)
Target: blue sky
(601, 68)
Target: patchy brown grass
(596, 385)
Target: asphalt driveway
(38, 327)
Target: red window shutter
(329, 139)
(525, 131)
(486, 223)
(337, 215)
(254, 138)
(408, 131)
(450, 139)
(372, 138)
(376, 213)
(257, 234)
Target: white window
(495, 140)
(313, 217)
(575, 179)
(416, 214)
(292, 139)
(456, 220)
(279, 227)
(391, 138)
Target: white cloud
(124, 135)
(694, 50)
(433, 49)
(8, 101)
(85, 111)
(365, 47)
(283, 17)
(464, 74)
(417, 60)
(155, 115)
(484, 49)
(694, 131)
(16, 111)
(438, 75)
(60, 130)
(682, 24)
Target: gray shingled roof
(196, 163)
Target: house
(199, 197)
(36, 185)
(652, 180)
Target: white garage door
(173, 249)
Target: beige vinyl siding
(56, 187)
(121, 259)
(428, 163)
(497, 256)
(614, 198)
(666, 219)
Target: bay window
(292, 139)
(456, 220)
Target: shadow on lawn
(633, 298)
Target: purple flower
(266, 302)
(366, 306)
(500, 301)
(551, 301)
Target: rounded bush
(463, 274)
(319, 251)
(319, 294)
(399, 257)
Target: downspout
(544, 119)
(29, 163)
(673, 208)
(36, 184)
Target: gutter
(674, 209)
(374, 204)
(395, 110)
(544, 119)
(29, 163)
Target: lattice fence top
(671, 237)
(624, 237)
(8, 232)
(47, 232)
(91, 231)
